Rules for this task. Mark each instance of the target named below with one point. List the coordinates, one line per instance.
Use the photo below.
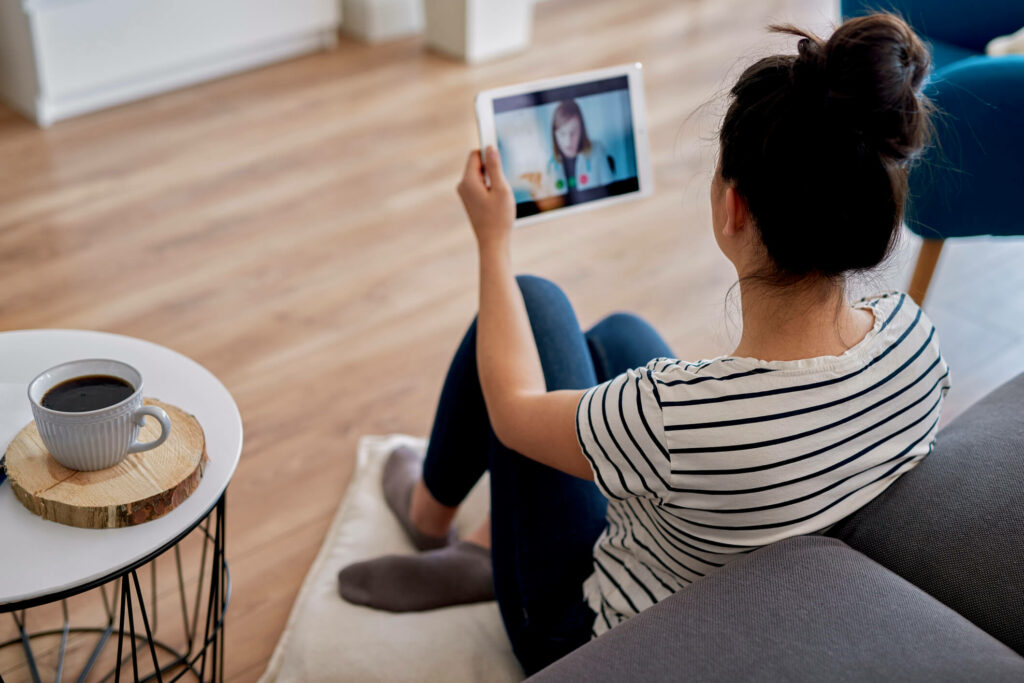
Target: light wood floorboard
(295, 230)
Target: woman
(577, 163)
(612, 488)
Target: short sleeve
(620, 429)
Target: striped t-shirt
(704, 462)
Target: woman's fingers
(496, 172)
(491, 210)
(472, 183)
(473, 175)
(493, 164)
(474, 166)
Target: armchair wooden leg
(926, 260)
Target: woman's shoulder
(890, 300)
(663, 378)
(899, 325)
(673, 372)
(896, 313)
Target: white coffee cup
(96, 439)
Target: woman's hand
(491, 210)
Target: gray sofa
(926, 583)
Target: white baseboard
(61, 58)
(67, 105)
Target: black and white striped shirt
(704, 462)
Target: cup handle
(140, 418)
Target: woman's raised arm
(526, 417)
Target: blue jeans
(543, 522)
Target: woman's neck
(805, 320)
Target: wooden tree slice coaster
(141, 487)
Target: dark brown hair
(819, 144)
(566, 110)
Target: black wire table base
(204, 651)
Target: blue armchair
(971, 179)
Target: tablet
(570, 143)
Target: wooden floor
(295, 230)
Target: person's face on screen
(567, 135)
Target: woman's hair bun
(869, 74)
(819, 144)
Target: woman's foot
(401, 474)
(458, 574)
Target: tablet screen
(568, 145)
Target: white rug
(327, 639)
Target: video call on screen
(567, 145)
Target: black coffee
(82, 394)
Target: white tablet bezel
(634, 72)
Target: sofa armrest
(805, 609)
(954, 525)
(968, 180)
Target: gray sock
(401, 472)
(454, 575)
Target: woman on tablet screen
(577, 162)
(617, 480)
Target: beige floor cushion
(327, 639)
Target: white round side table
(53, 562)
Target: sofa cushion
(954, 525)
(808, 608)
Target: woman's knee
(628, 324)
(622, 341)
(536, 287)
(563, 351)
(543, 295)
